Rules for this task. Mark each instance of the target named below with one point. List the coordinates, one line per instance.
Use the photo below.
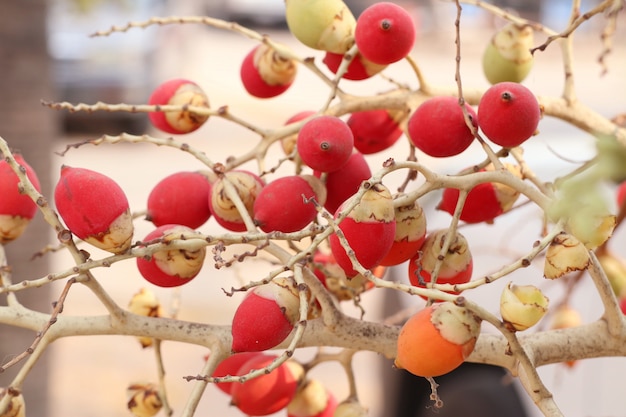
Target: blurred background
(47, 54)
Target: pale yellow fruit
(326, 25)
(615, 270)
(144, 399)
(508, 57)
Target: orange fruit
(437, 339)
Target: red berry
(265, 317)
(248, 185)
(325, 143)
(16, 209)
(369, 229)
(621, 194)
(438, 128)
(508, 114)
(374, 130)
(285, 204)
(178, 92)
(230, 366)
(485, 201)
(180, 198)
(171, 267)
(288, 143)
(410, 234)
(268, 393)
(456, 267)
(358, 69)
(385, 33)
(343, 183)
(94, 208)
(265, 73)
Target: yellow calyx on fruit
(144, 399)
(564, 255)
(12, 227)
(144, 303)
(376, 204)
(522, 306)
(311, 399)
(506, 196)
(508, 56)
(437, 339)
(188, 94)
(183, 263)
(456, 260)
(318, 187)
(118, 237)
(284, 292)
(16, 407)
(456, 324)
(274, 68)
(350, 408)
(326, 25)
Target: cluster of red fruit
(285, 387)
(379, 231)
(384, 34)
(334, 150)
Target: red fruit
(180, 198)
(437, 127)
(622, 304)
(457, 263)
(369, 229)
(385, 33)
(171, 267)
(268, 393)
(374, 130)
(621, 194)
(285, 204)
(265, 73)
(178, 92)
(94, 208)
(265, 316)
(485, 201)
(288, 143)
(358, 69)
(16, 209)
(325, 143)
(230, 366)
(248, 185)
(312, 400)
(343, 183)
(508, 114)
(410, 234)
(437, 339)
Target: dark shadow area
(472, 390)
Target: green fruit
(327, 25)
(508, 57)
